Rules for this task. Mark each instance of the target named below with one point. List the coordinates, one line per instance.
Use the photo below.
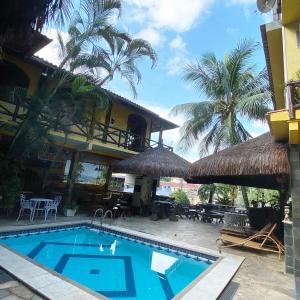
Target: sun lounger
(263, 240)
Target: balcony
(101, 136)
(285, 123)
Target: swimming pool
(114, 264)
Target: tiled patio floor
(260, 277)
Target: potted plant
(70, 209)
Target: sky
(180, 32)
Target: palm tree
(53, 108)
(121, 59)
(233, 92)
(99, 49)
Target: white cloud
(247, 13)
(51, 52)
(178, 43)
(175, 64)
(151, 35)
(169, 14)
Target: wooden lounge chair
(263, 240)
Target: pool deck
(261, 276)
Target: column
(72, 176)
(288, 245)
(295, 192)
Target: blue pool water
(110, 264)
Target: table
(37, 202)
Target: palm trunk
(211, 193)
(245, 196)
(104, 80)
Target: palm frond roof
(259, 162)
(154, 162)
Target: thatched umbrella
(259, 162)
(154, 162)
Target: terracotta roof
(183, 185)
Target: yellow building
(122, 130)
(281, 39)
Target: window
(88, 173)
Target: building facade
(121, 130)
(281, 39)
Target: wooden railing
(101, 132)
(115, 136)
(291, 98)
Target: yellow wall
(290, 11)
(120, 114)
(274, 38)
(31, 71)
(292, 51)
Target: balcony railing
(118, 137)
(292, 103)
(103, 133)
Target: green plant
(206, 192)
(266, 196)
(233, 92)
(180, 197)
(57, 107)
(10, 183)
(223, 193)
(98, 47)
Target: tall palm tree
(97, 48)
(121, 59)
(233, 93)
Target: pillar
(295, 193)
(288, 245)
(72, 176)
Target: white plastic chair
(26, 205)
(51, 206)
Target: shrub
(180, 197)
(10, 183)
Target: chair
(26, 205)
(263, 240)
(51, 206)
(236, 224)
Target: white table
(37, 203)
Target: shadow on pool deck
(260, 277)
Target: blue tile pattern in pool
(117, 265)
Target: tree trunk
(108, 179)
(211, 193)
(72, 176)
(283, 197)
(245, 196)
